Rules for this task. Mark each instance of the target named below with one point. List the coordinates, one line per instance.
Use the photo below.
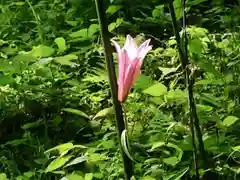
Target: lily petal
(131, 47)
(143, 49)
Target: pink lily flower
(130, 59)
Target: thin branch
(120, 125)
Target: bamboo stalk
(120, 124)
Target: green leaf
(88, 176)
(76, 161)
(4, 80)
(83, 33)
(96, 157)
(41, 51)
(66, 60)
(61, 43)
(93, 28)
(124, 143)
(156, 90)
(230, 120)
(113, 9)
(32, 125)
(61, 148)
(3, 176)
(178, 9)
(166, 71)
(104, 112)
(143, 82)
(57, 163)
(195, 46)
(194, 2)
(116, 24)
(178, 175)
(44, 72)
(73, 177)
(76, 111)
(147, 178)
(171, 161)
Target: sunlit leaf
(76, 161)
(61, 43)
(171, 161)
(156, 90)
(66, 60)
(41, 51)
(3, 176)
(88, 176)
(113, 9)
(177, 175)
(57, 163)
(61, 148)
(230, 120)
(73, 177)
(76, 111)
(104, 112)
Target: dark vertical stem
(189, 82)
(120, 125)
(184, 44)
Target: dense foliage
(57, 119)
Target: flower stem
(120, 125)
(194, 121)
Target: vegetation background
(56, 115)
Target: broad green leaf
(61, 148)
(116, 24)
(194, 2)
(209, 98)
(172, 161)
(104, 112)
(107, 144)
(44, 72)
(147, 178)
(76, 111)
(57, 163)
(93, 28)
(32, 125)
(61, 43)
(236, 148)
(157, 145)
(143, 82)
(3, 176)
(88, 176)
(195, 46)
(209, 81)
(66, 60)
(96, 157)
(178, 8)
(166, 71)
(83, 33)
(21, 61)
(76, 161)
(156, 90)
(113, 9)
(230, 120)
(4, 80)
(29, 174)
(158, 11)
(41, 51)
(74, 177)
(177, 175)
